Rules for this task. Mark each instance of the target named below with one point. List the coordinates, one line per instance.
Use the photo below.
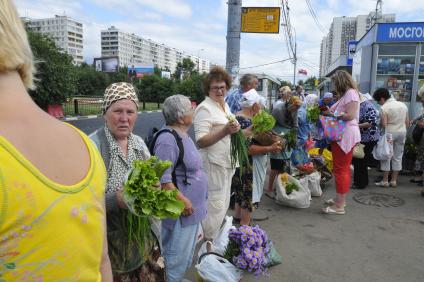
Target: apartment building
(333, 51)
(66, 32)
(132, 49)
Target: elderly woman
(179, 236)
(119, 147)
(394, 120)
(212, 130)
(248, 188)
(370, 134)
(284, 93)
(52, 179)
(286, 116)
(346, 109)
(419, 121)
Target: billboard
(140, 70)
(400, 32)
(260, 19)
(351, 50)
(106, 64)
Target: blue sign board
(351, 50)
(400, 32)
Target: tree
(90, 82)
(285, 83)
(56, 75)
(310, 83)
(191, 87)
(185, 69)
(152, 88)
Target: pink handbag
(331, 129)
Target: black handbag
(417, 134)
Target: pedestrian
(284, 93)
(347, 110)
(419, 121)
(286, 117)
(248, 81)
(119, 148)
(247, 187)
(179, 236)
(370, 134)
(394, 121)
(326, 101)
(299, 92)
(213, 130)
(52, 179)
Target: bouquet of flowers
(247, 248)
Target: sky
(199, 27)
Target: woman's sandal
(330, 210)
(331, 202)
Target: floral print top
(368, 113)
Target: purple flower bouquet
(247, 248)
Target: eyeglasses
(218, 88)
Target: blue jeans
(178, 248)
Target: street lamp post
(294, 57)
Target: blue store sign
(400, 32)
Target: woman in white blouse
(212, 130)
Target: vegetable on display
(312, 113)
(291, 139)
(290, 187)
(238, 149)
(144, 200)
(262, 122)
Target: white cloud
(174, 8)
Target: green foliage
(191, 87)
(147, 200)
(262, 122)
(290, 187)
(285, 83)
(312, 113)
(185, 69)
(310, 83)
(153, 88)
(56, 75)
(91, 82)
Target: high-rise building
(344, 29)
(66, 32)
(132, 49)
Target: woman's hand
(188, 207)
(232, 127)
(120, 199)
(276, 147)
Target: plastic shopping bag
(314, 184)
(213, 267)
(296, 199)
(384, 149)
(330, 128)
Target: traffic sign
(260, 19)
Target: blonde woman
(53, 218)
(346, 109)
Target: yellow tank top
(48, 231)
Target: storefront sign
(400, 32)
(351, 49)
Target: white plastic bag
(221, 241)
(214, 268)
(297, 199)
(384, 149)
(314, 184)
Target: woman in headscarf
(119, 147)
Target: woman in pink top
(346, 109)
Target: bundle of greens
(238, 149)
(290, 187)
(146, 200)
(262, 122)
(291, 139)
(312, 113)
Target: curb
(97, 116)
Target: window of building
(395, 69)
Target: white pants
(219, 190)
(398, 146)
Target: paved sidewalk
(369, 243)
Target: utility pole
(233, 37)
(294, 58)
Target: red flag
(303, 71)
